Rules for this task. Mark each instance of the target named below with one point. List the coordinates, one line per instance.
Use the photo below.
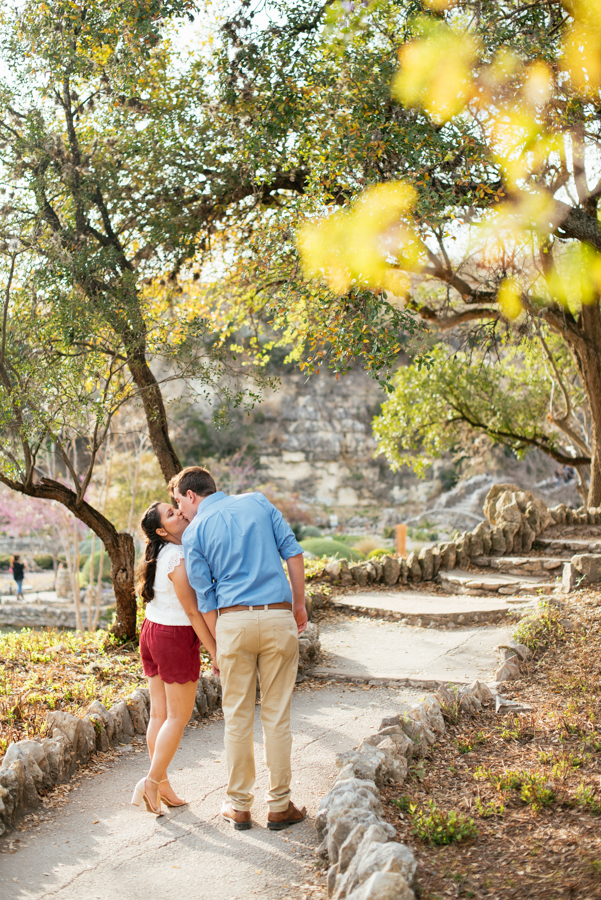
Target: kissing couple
(212, 575)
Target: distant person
(18, 572)
(170, 641)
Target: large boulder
(588, 565)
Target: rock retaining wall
(515, 519)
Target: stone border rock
(365, 862)
(36, 765)
(515, 519)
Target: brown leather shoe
(239, 818)
(278, 820)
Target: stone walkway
(98, 847)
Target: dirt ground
(522, 792)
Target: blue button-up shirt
(233, 547)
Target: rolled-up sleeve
(199, 573)
(284, 536)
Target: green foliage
(437, 408)
(435, 826)
(533, 786)
(44, 560)
(4, 560)
(378, 552)
(310, 531)
(331, 548)
(587, 799)
(490, 810)
(466, 745)
(541, 628)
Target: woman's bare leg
(158, 711)
(180, 703)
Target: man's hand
(296, 574)
(300, 616)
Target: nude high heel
(169, 802)
(140, 794)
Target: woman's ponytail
(151, 520)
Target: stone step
(428, 609)
(457, 581)
(521, 565)
(557, 545)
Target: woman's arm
(187, 597)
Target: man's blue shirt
(233, 547)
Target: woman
(170, 639)
(18, 569)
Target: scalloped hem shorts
(170, 651)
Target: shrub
(379, 551)
(541, 629)
(310, 531)
(106, 569)
(4, 561)
(44, 560)
(366, 545)
(329, 547)
(435, 826)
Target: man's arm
(296, 573)
(199, 576)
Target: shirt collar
(212, 498)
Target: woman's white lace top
(166, 609)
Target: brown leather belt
(240, 606)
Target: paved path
(381, 648)
(98, 847)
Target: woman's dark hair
(151, 520)
(15, 558)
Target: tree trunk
(584, 341)
(156, 415)
(122, 556)
(119, 546)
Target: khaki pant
(267, 640)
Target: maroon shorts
(170, 651)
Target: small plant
(491, 810)
(466, 745)
(585, 797)
(435, 826)
(522, 730)
(451, 709)
(596, 866)
(403, 803)
(541, 629)
(535, 792)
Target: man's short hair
(194, 478)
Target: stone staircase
(485, 579)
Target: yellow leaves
(575, 280)
(582, 46)
(509, 297)
(435, 71)
(356, 247)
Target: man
(233, 548)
